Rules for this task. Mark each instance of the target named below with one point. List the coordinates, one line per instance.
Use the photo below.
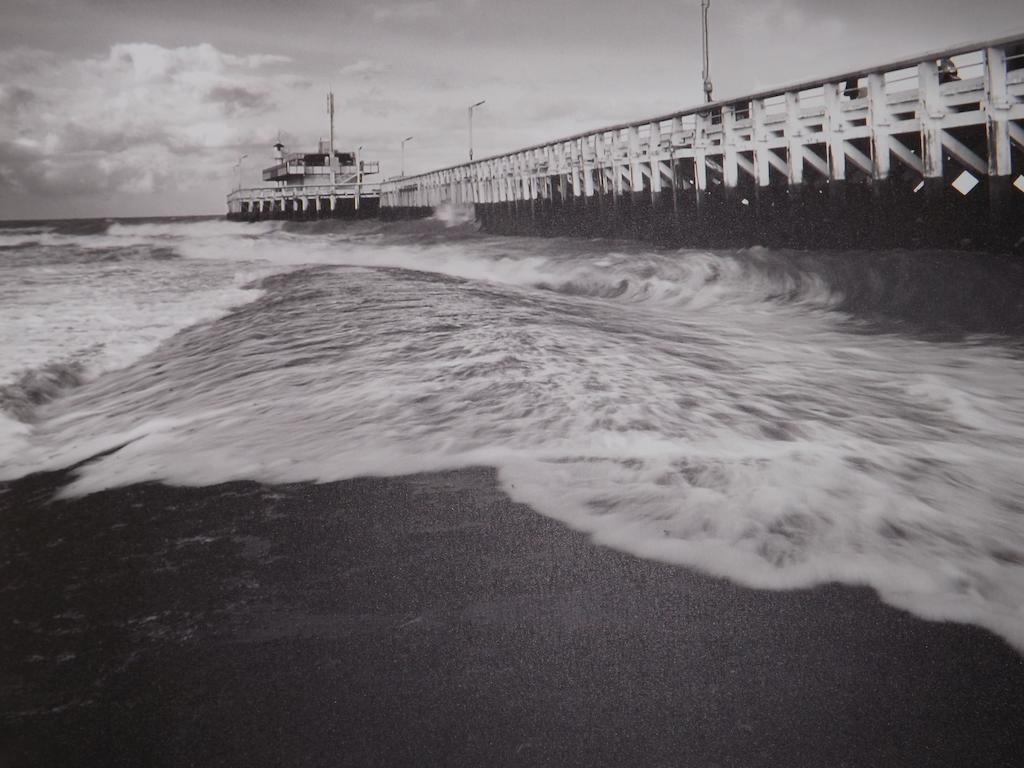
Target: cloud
(237, 99)
(14, 99)
(139, 119)
(364, 69)
(415, 11)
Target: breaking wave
(37, 386)
(780, 419)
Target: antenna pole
(330, 111)
(705, 6)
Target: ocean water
(780, 419)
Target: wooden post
(759, 138)
(575, 167)
(653, 153)
(879, 121)
(997, 107)
(636, 175)
(676, 138)
(834, 126)
(794, 138)
(930, 112)
(700, 142)
(524, 179)
(587, 167)
(614, 169)
(730, 166)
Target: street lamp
(472, 107)
(407, 138)
(238, 168)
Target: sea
(781, 419)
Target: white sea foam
(62, 310)
(192, 230)
(454, 215)
(19, 239)
(688, 407)
(699, 280)
(13, 442)
(104, 326)
(126, 235)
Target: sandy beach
(428, 620)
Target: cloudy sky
(143, 107)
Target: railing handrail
(368, 188)
(768, 93)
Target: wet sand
(428, 620)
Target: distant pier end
(923, 152)
(310, 185)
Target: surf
(774, 418)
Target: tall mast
(706, 73)
(330, 111)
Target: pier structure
(310, 185)
(341, 200)
(922, 152)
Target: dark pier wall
(290, 210)
(395, 213)
(840, 215)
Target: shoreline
(428, 619)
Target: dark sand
(428, 620)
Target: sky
(145, 107)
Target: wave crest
(37, 386)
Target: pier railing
(953, 114)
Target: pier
(307, 201)
(925, 152)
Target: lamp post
(472, 107)
(705, 6)
(407, 138)
(238, 168)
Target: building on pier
(324, 184)
(309, 185)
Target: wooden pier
(923, 152)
